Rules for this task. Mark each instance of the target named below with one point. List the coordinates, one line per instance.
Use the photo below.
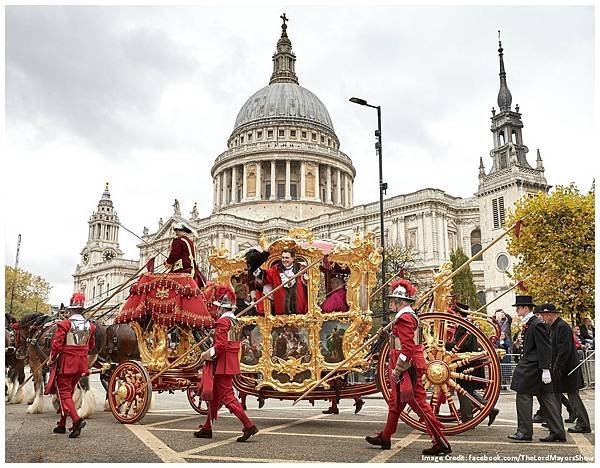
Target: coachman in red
(406, 369)
(221, 364)
(68, 362)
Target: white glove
(546, 376)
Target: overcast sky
(146, 97)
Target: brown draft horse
(14, 362)
(36, 332)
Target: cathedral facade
(283, 168)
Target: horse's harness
(36, 330)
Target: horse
(15, 363)
(36, 333)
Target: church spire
(504, 96)
(284, 60)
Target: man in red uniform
(404, 354)
(225, 354)
(182, 257)
(72, 341)
(291, 299)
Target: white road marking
(583, 444)
(404, 442)
(162, 450)
(249, 460)
(267, 430)
(169, 421)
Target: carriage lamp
(382, 188)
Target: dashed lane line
(404, 442)
(162, 450)
(248, 460)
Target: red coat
(404, 328)
(272, 277)
(182, 248)
(73, 359)
(336, 302)
(225, 353)
(180, 251)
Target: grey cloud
(73, 69)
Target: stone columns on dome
(302, 180)
(245, 183)
(273, 182)
(338, 194)
(328, 186)
(287, 179)
(258, 180)
(218, 190)
(224, 189)
(317, 183)
(233, 184)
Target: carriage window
(293, 297)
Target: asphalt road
(287, 434)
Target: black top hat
(182, 227)
(523, 301)
(547, 307)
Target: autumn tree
(463, 285)
(555, 251)
(25, 292)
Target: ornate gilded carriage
(282, 356)
(271, 371)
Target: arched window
(475, 241)
(502, 139)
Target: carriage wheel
(441, 378)
(129, 392)
(199, 405)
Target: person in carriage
(221, 365)
(292, 298)
(182, 257)
(336, 302)
(68, 362)
(406, 368)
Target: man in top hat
(532, 376)
(469, 345)
(222, 364)
(68, 361)
(564, 360)
(405, 354)
(182, 257)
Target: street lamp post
(382, 189)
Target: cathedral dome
(283, 101)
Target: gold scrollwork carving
(363, 260)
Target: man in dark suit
(532, 377)
(564, 360)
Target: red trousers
(223, 395)
(65, 386)
(420, 406)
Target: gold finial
(106, 187)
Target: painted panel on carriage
(332, 337)
(251, 345)
(291, 348)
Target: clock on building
(108, 255)
(86, 257)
